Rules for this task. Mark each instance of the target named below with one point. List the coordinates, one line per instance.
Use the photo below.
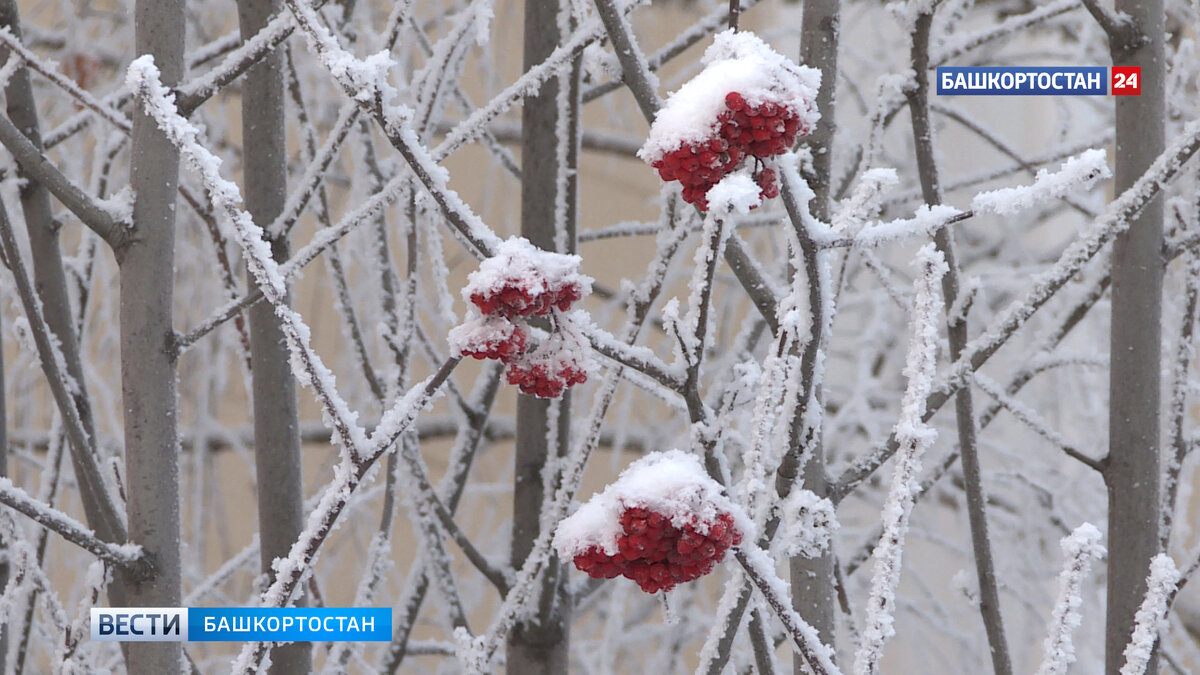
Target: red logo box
(1126, 81)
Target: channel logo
(241, 624)
(1038, 81)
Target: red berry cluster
(516, 298)
(500, 346)
(743, 130)
(657, 555)
(544, 379)
(762, 130)
(502, 334)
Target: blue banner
(241, 624)
(1022, 81)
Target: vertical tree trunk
(540, 646)
(148, 365)
(276, 419)
(813, 578)
(1132, 472)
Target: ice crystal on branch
(749, 102)
(662, 523)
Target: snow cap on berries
(522, 280)
(672, 483)
(737, 62)
(488, 337)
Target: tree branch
(39, 168)
(122, 555)
(1114, 220)
(1119, 28)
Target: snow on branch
(957, 46)
(588, 32)
(924, 222)
(35, 163)
(1151, 617)
(1085, 170)
(143, 80)
(1008, 321)
(1081, 548)
(914, 437)
(761, 571)
(67, 527)
(366, 82)
(236, 62)
(52, 73)
(865, 198)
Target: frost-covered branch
(1034, 421)
(715, 20)
(641, 359)
(85, 98)
(366, 83)
(637, 74)
(110, 228)
(1083, 170)
(1045, 285)
(308, 367)
(914, 437)
(1181, 379)
(759, 569)
(1151, 616)
(123, 555)
(955, 47)
(62, 386)
(1081, 548)
(298, 566)
(450, 491)
(925, 221)
(192, 94)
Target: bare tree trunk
(541, 646)
(813, 578)
(148, 364)
(1132, 471)
(276, 418)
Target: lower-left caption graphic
(241, 624)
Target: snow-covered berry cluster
(519, 282)
(545, 377)
(747, 105)
(664, 522)
(517, 297)
(659, 556)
